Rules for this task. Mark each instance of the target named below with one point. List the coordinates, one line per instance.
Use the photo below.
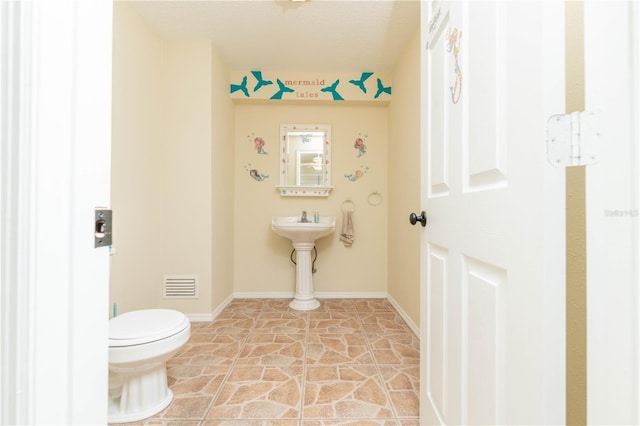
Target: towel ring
(348, 205)
(374, 199)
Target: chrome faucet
(304, 217)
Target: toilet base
(136, 395)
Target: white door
(612, 187)
(56, 130)
(492, 268)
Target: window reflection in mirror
(305, 163)
(309, 166)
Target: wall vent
(180, 286)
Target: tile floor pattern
(349, 362)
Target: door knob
(413, 218)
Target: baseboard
(213, 315)
(414, 328)
(350, 295)
(320, 295)
(222, 305)
(199, 317)
(264, 295)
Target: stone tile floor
(349, 362)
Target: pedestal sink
(303, 236)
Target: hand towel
(347, 228)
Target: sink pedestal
(303, 236)
(304, 299)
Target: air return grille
(180, 287)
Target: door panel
(484, 141)
(438, 179)
(484, 286)
(437, 336)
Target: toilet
(140, 343)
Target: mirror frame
(285, 188)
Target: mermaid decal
(259, 145)
(259, 177)
(360, 146)
(357, 174)
(453, 37)
(254, 173)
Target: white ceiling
(280, 35)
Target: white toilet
(140, 343)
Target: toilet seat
(145, 326)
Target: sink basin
(308, 232)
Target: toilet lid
(144, 326)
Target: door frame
(56, 130)
(612, 37)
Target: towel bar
(374, 199)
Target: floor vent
(180, 287)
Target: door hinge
(572, 139)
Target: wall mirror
(305, 160)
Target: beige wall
(222, 187)
(167, 152)
(404, 182)
(261, 257)
(184, 202)
(186, 226)
(137, 162)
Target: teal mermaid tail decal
(242, 86)
(360, 83)
(282, 90)
(260, 81)
(333, 90)
(382, 89)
